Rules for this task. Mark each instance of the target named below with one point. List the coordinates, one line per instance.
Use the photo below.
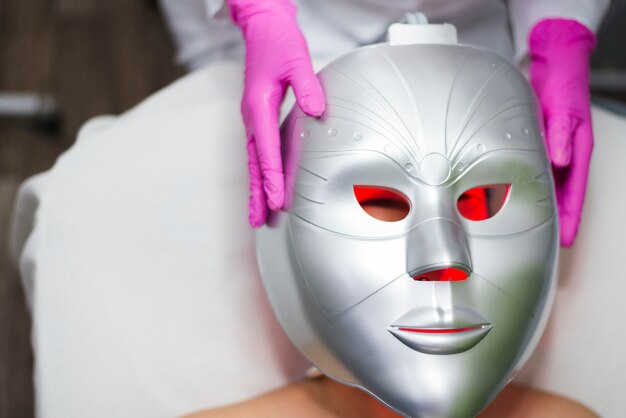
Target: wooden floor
(94, 57)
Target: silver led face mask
(433, 310)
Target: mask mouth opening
(442, 330)
(432, 332)
(445, 340)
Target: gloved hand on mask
(559, 72)
(276, 57)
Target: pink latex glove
(276, 57)
(559, 72)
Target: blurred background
(90, 57)
(65, 61)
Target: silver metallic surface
(431, 121)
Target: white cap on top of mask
(417, 30)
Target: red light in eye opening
(382, 203)
(483, 202)
(369, 193)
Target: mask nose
(437, 251)
(449, 274)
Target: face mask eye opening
(483, 202)
(382, 203)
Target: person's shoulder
(518, 401)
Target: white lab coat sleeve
(202, 31)
(524, 14)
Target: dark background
(94, 57)
(103, 56)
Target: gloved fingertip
(256, 222)
(276, 200)
(257, 213)
(559, 137)
(561, 156)
(273, 186)
(567, 239)
(257, 207)
(313, 105)
(309, 93)
(568, 229)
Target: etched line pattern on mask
(399, 127)
(399, 131)
(514, 299)
(512, 234)
(382, 129)
(466, 169)
(483, 92)
(466, 147)
(457, 75)
(381, 99)
(417, 115)
(345, 311)
(313, 293)
(378, 114)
